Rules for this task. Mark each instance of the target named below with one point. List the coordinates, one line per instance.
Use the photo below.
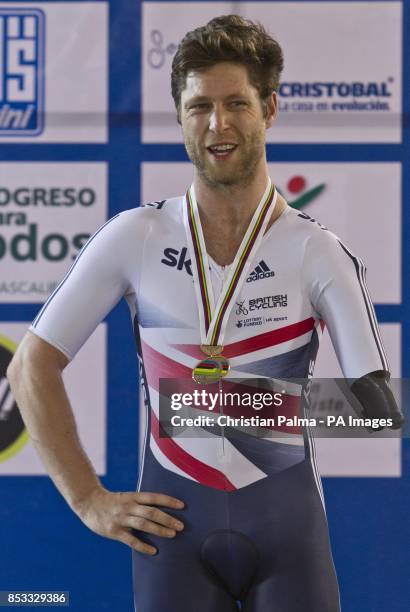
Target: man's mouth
(222, 150)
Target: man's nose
(218, 120)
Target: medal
(213, 317)
(211, 350)
(210, 370)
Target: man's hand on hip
(113, 515)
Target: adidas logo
(260, 271)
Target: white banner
(85, 380)
(54, 72)
(47, 213)
(360, 457)
(342, 77)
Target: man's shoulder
(168, 204)
(167, 207)
(312, 239)
(311, 228)
(301, 220)
(150, 214)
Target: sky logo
(22, 41)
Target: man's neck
(226, 214)
(231, 206)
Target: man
(217, 522)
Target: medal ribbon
(213, 318)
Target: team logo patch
(269, 301)
(22, 42)
(255, 310)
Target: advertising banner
(85, 380)
(342, 75)
(47, 213)
(350, 457)
(53, 72)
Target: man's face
(224, 124)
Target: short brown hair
(229, 38)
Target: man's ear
(271, 109)
(178, 109)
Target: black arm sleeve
(376, 398)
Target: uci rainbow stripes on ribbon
(213, 317)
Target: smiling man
(223, 522)
(224, 125)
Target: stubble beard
(243, 172)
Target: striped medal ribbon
(213, 317)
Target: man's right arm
(35, 376)
(101, 274)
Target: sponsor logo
(159, 50)
(157, 204)
(13, 434)
(330, 89)
(254, 321)
(299, 195)
(305, 216)
(269, 301)
(177, 259)
(335, 97)
(260, 271)
(22, 38)
(260, 304)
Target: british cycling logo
(262, 303)
(269, 301)
(248, 307)
(13, 434)
(22, 46)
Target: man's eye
(199, 106)
(238, 103)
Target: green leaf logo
(297, 185)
